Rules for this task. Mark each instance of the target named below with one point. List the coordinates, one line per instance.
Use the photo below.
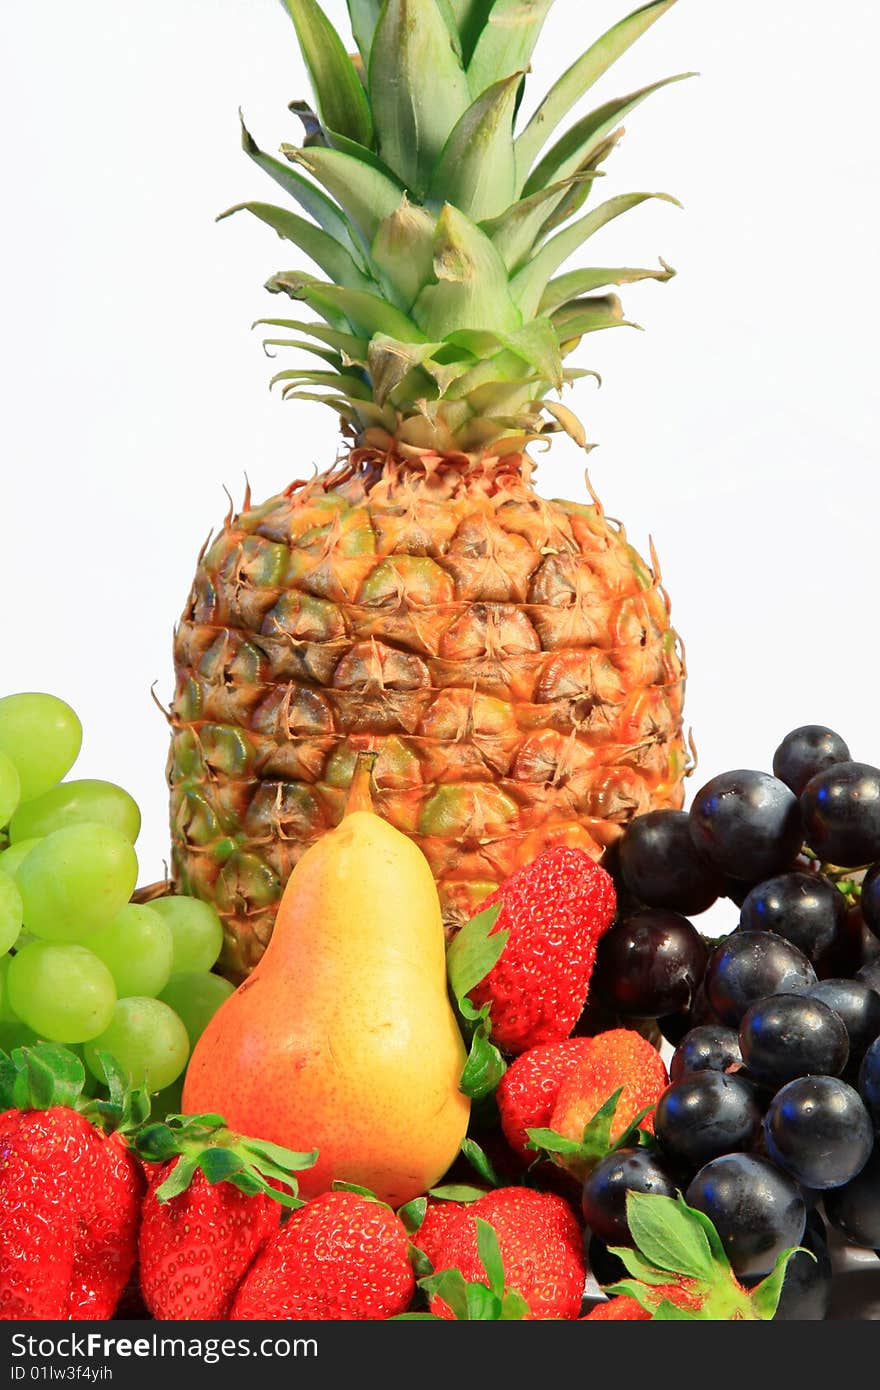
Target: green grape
(71, 803)
(198, 935)
(136, 948)
(148, 1041)
(76, 880)
(63, 992)
(42, 736)
(14, 1033)
(12, 858)
(7, 1014)
(11, 912)
(10, 788)
(195, 996)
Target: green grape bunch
(80, 962)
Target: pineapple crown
(444, 322)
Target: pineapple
(510, 659)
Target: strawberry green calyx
(580, 1156)
(471, 955)
(46, 1075)
(680, 1270)
(475, 1301)
(203, 1143)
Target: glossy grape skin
(10, 788)
(869, 1082)
(805, 752)
(42, 736)
(854, 947)
(76, 880)
(72, 803)
(603, 1200)
(705, 1115)
(792, 1035)
(870, 975)
(197, 932)
(11, 859)
(859, 1007)
(137, 947)
(148, 1041)
(11, 913)
(757, 1210)
(806, 1289)
(650, 964)
(661, 867)
(841, 814)
(818, 1129)
(750, 965)
(805, 909)
(870, 899)
(708, 1047)
(747, 824)
(195, 996)
(61, 991)
(854, 1209)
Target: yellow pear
(343, 1038)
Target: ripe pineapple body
(510, 659)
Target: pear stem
(359, 797)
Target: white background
(740, 431)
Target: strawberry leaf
(412, 1214)
(765, 1296)
(639, 1268)
(474, 951)
(203, 1143)
(668, 1312)
(457, 1192)
(451, 1286)
(422, 1266)
(490, 1256)
(485, 1065)
(482, 1304)
(667, 1233)
(548, 1141)
(514, 1307)
(719, 1254)
(479, 1161)
(39, 1077)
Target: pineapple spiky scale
(510, 666)
(510, 659)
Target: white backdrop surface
(740, 431)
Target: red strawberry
(620, 1060)
(45, 1163)
(105, 1250)
(685, 1294)
(210, 1209)
(343, 1256)
(527, 1091)
(69, 1193)
(555, 910)
(539, 1240)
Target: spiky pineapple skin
(510, 659)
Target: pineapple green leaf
(477, 170)
(418, 88)
(469, 17)
(301, 345)
(339, 93)
(310, 198)
(353, 387)
(588, 316)
(367, 195)
(346, 344)
(364, 16)
(368, 314)
(529, 284)
(318, 245)
(472, 289)
(403, 252)
(507, 41)
(577, 194)
(515, 231)
(390, 360)
(536, 343)
(358, 152)
(579, 143)
(577, 282)
(580, 77)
